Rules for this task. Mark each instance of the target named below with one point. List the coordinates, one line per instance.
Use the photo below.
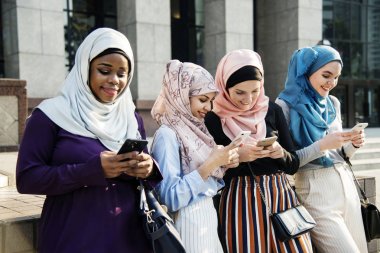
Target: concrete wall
(228, 26)
(147, 26)
(282, 27)
(34, 44)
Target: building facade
(38, 40)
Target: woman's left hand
(276, 151)
(358, 139)
(142, 168)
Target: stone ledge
(14, 88)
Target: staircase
(368, 157)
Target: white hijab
(76, 109)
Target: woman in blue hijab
(324, 182)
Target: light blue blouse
(177, 190)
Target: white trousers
(198, 226)
(331, 197)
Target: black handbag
(290, 223)
(158, 226)
(370, 213)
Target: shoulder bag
(158, 226)
(290, 223)
(370, 213)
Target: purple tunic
(83, 211)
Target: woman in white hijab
(69, 153)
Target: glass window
(344, 49)
(342, 20)
(367, 105)
(374, 2)
(328, 19)
(187, 30)
(358, 25)
(374, 24)
(83, 16)
(353, 28)
(374, 60)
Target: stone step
(366, 164)
(371, 143)
(368, 153)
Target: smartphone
(266, 142)
(133, 145)
(358, 127)
(242, 135)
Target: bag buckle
(148, 214)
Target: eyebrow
(328, 72)
(110, 65)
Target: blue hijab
(310, 113)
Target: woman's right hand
(227, 156)
(249, 152)
(114, 165)
(334, 140)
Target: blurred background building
(38, 40)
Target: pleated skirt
(244, 220)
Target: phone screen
(133, 145)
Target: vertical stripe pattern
(330, 195)
(245, 225)
(198, 226)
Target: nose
(113, 79)
(208, 106)
(248, 99)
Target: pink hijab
(234, 119)
(172, 108)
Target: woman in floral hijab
(190, 161)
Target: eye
(103, 71)
(122, 74)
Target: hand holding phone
(266, 142)
(358, 127)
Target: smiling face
(201, 104)
(108, 76)
(244, 95)
(326, 78)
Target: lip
(110, 91)
(202, 114)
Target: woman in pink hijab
(244, 222)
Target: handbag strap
(347, 160)
(261, 192)
(144, 207)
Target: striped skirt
(245, 225)
(198, 226)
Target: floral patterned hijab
(234, 119)
(172, 108)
